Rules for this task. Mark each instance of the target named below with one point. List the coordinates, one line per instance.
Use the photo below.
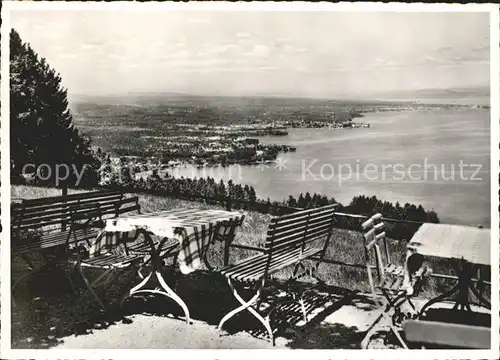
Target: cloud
(222, 49)
(481, 48)
(448, 55)
(178, 45)
(444, 49)
(381, 63)
(431, 60)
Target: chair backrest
(374, 238)
(447, 334)
(54, 212)
(295, 231)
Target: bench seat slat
(108, 261)
(253, 269)
(393, 277)
(277, 260)
(144, 247)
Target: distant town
(216, 132)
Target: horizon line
(352, 96)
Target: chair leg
(295, 274)
(303, 307)
(247, 305)
(89, 287)
(479, 294)
(299, 300)
(375, 298)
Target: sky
(290, 53)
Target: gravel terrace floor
(343, 329)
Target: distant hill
(176, 99)
(463, 95)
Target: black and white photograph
(271, 176)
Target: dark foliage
(41, 125)
(237, 196)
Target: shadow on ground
(47, 308)
(55, 311)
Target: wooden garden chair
(391, 277)
(106, 252)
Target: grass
(346, 246)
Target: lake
(439, 159)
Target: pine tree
(42, 129)
(291, 201)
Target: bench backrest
(54, 212)
(374, 238)
(447, 334)
(297, 230)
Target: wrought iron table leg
(227, 243)
(439, 298)
(206, 262)
(479, 293)
(156, 270)
(171, 294)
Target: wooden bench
(447, 334)
(44, 226)
(290, 240)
